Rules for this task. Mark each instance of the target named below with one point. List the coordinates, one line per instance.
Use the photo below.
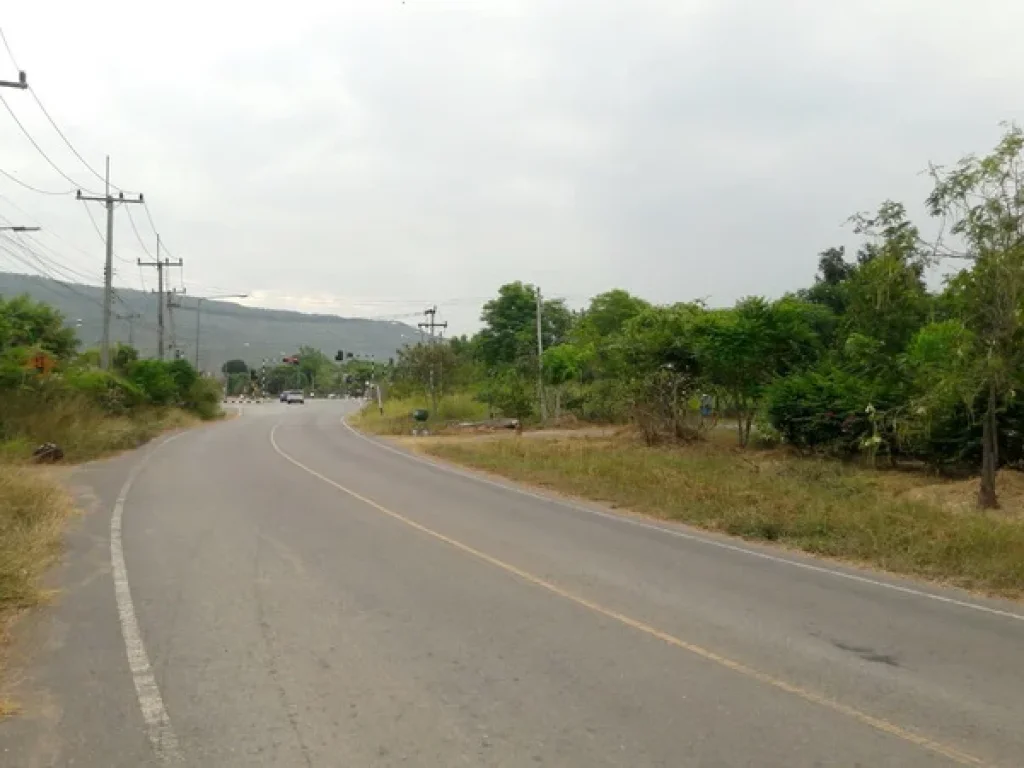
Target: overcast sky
(368, 157)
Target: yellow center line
(877, 723)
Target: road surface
(277, 590)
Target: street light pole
(19, 229)
(199, 315)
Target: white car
(295, 397)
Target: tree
(234, 366)
(981, 201)
(663, 370)
(28, 323)
(742, 350)
(608, 314)
(829, 287)
(563, 364)
(509, 335)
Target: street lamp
(199, 314)
(20, 229)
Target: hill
(228, 330)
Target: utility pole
(171, 306)
(540, 357)
(108, 268)
(432, 314)
(161, 265)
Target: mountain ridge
(228, 330)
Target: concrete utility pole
(161, 265)
(432, 314)
(171, 306)
(108, 268)
(540, 357)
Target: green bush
(823, 407)
(154, 379)
(114, 394)
(203, 398)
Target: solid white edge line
(683, 534)
(158, 724)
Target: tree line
(866, 361)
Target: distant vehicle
(312, 395)
(284, 396)
(331, 396)
(295, 397)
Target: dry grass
(33, 509)
(85, 432)
(819, 506)
(397, 416)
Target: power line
(49, 262)
(45, 112)
(136, 231)
(152, 224)
(35, 144)
(43, 272)
(18, 181)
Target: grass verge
(33, 509)
(87, 433)
(397, 416)
(819, 506)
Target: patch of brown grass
(33, 510)
(820, 506)
(85, 432)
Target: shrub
(154, 379)
(203, 398)
(821, 407)
(114, 394)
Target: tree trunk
(987, 498)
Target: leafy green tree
(608, 314)
(509, 335)
(742, 350)
(25, 322)
(982, 203)
(234, 366)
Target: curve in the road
(812, 697)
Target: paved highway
(277, 590)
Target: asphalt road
(276, 590)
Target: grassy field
(397, 416)
(894, 521)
